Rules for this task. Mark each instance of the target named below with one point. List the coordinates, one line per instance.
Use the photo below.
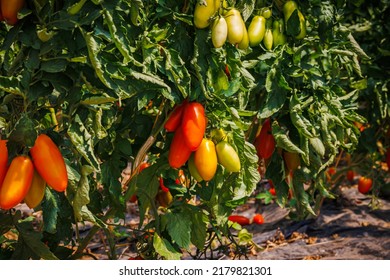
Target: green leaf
(50, 212)
(93, 51)
(83, 142)
(24, 132)
(318, 146)
(244, 237)
(198, 229)
(81, 198)
(164, 248)
(292, 26)
(179, 228)
(32, 240)
(54, 65)
(283, 141)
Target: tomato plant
(364, 184)
(100, 78)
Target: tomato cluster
(188, 122)
(9, 10)
(26, 177)
(227, 24)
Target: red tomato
(143, 165)
(17, 182)
(10, 9)
(388, 159)
(3, 159)
(239, 220)
(364, 184)
(194, 125)
(350, 175)
(49, 163)
(272, 191)
(330, 172)
(265, 141)
(258, 219)
(175, 118)
(179, 152)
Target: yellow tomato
(206, 159)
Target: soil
(347, 228)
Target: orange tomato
(10, 10)
(17, 182)
(49, 163)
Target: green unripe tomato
(268, 39)
(219, 32)
(266, 12)
(228, 157)
(256, 30)
(244, 44)
(235, 25)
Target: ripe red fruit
(179, 152)
(258, 219)
(265, 141)
(350, 175)
(193, 125)
(241, 220)
(364, 184)
(175, 118)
